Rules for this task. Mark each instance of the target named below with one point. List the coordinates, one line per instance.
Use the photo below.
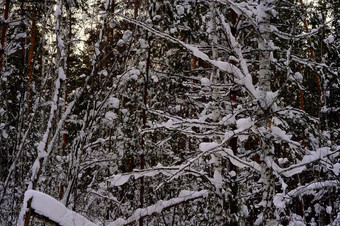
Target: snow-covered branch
(52, 211)
(280, 200)
(240, 78)
(184, 196)
(318, 155)
(120, 179)
(240, 162)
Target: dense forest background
(170, 112)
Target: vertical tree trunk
(3, 31)
(264, 85)
(264, 67)
(67, 75)
(136, 8)
(31, 59)
(145, 93)
(145, 97)
(232, 95)
(233, 142)
(218, 207)
(194, 63)
(142, 156)
(213, 76)
(317, 80)
(31, 49)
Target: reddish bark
(31, 59)
(193, 63)
(317, 80)
(301, 100)
(3, 32)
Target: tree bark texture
(3, 31)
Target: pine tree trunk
(3, 31)
(317, 80)
(31, 59)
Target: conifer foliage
(169, 112)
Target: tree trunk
(31, 59)
(264, 85)
(142, 156)
(3, 32)
(31, 50)
(317, 80)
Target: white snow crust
(205, 146)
